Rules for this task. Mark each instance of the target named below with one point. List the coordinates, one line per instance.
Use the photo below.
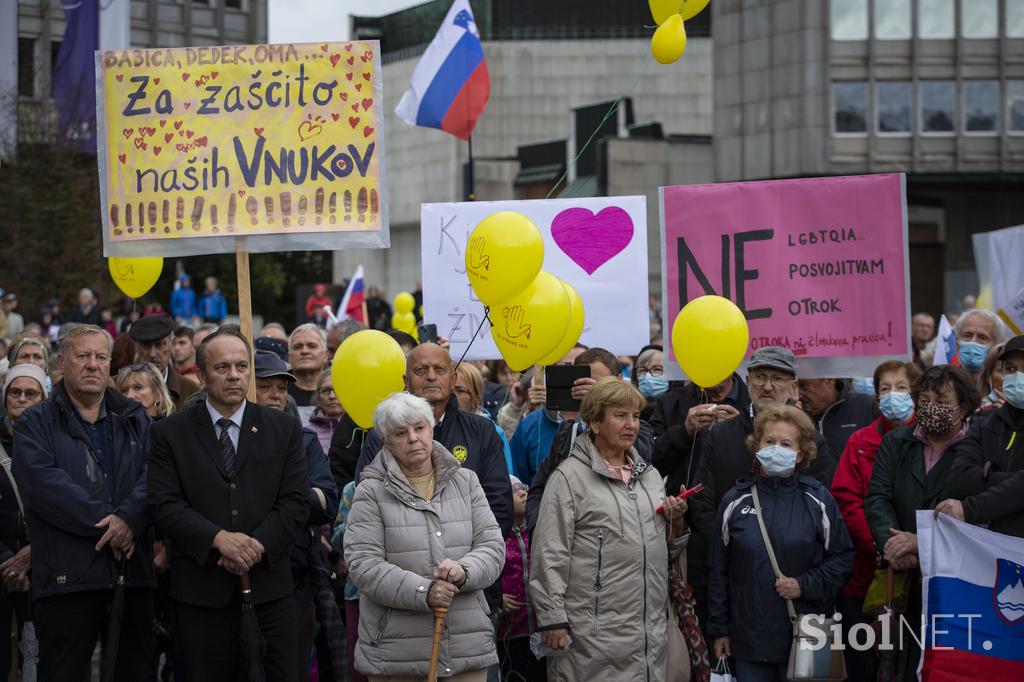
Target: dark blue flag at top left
(74, 77)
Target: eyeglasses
(760, 380)
(27, 393)
(653, 371)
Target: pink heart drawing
(592, 240)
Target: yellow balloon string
(611, 110)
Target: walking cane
(440, 613)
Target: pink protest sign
(818, 265)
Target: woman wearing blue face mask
(748, 614)
(893, 380)
(649, 377)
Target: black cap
(272, 345)
(269, 365)
(1014, 344)
(152, 328)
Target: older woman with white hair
(421, 536)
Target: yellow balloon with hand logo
(135, 276)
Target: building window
(850, 106)
(938, 107)
(892, 19)
(892, 104)
(54, 54)
(935, 19)
(233, 4)
(1015, 106)
(26, 67)
(849, 19)
(979, 19)
(981, 106)
(1015, 18)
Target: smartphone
(427, 333)
(560, 380)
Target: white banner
(1006, 247)
(598, 245)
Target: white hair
(401, 409)
(999, 331)
(308, 327)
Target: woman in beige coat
(421, 536)
(601, 552)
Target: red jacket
(850, 487)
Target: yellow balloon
(135, 276)
(692, 8)
(504, 254)
(529, 326)
(661, 10)
(367, 368)
(709, 339)
(404, 322)
(669, 42)
(984, 299)
(572, 334)
(404, 302)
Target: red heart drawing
(323, 48)
(187, 105)
(368, 54)
(168, 137)
(181, 133)
(348, 75)
(139, 144)
(163, 122)
(367, 131)
(145, 146)
(366, 76)
(353, 121)
(355, 107)
(122, 157)
(189, 134)
(334, 59)
(127, 132)
(119, 77)
(201, 141)
(258, 131)
(241, 192)
(367, 102)
(156, 81)
(185, 76)
(177, 124)
(343, 96)
(156, 151)
(348, 48)
(214, 74)
(359, 87)
(180, 148)
(147, 131)
(335, 116)
(351, 61)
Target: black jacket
(13, 530)
(725, 459)
(995, 443)
(193, 498)
(673, 446)
(322, 505)
(850, 413)
(343, 454)
(561, 446)
(64, 490)
(475, 443)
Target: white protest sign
(1006, 248)
(598, 245)
(1012, 313)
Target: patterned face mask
(937, 419)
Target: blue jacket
(183, 302)
(213, 307)
(504, 441)
(531, 443)
(65, 493)
(811, 544)
(323, 504)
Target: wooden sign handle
(245, 302)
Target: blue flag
(74, 77)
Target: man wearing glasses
(81, 472)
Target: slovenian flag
(945, 345)
(351, 307)
(450, 85)
(973, 595)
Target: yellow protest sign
(278, 143)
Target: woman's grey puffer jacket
(393, 542)
(600, 568)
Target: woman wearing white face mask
(893, 381)
(749, 618)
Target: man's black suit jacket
(192, 498)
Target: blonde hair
(772, 413)
(609, 392)
(474, 381)
(164, 404)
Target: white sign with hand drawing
(598, 245)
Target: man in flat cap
(152, 335)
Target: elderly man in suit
(228, 487)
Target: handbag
(807, 661)
(677, 651)
(722, 673)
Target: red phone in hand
(683, 494)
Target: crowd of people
(560, 543)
